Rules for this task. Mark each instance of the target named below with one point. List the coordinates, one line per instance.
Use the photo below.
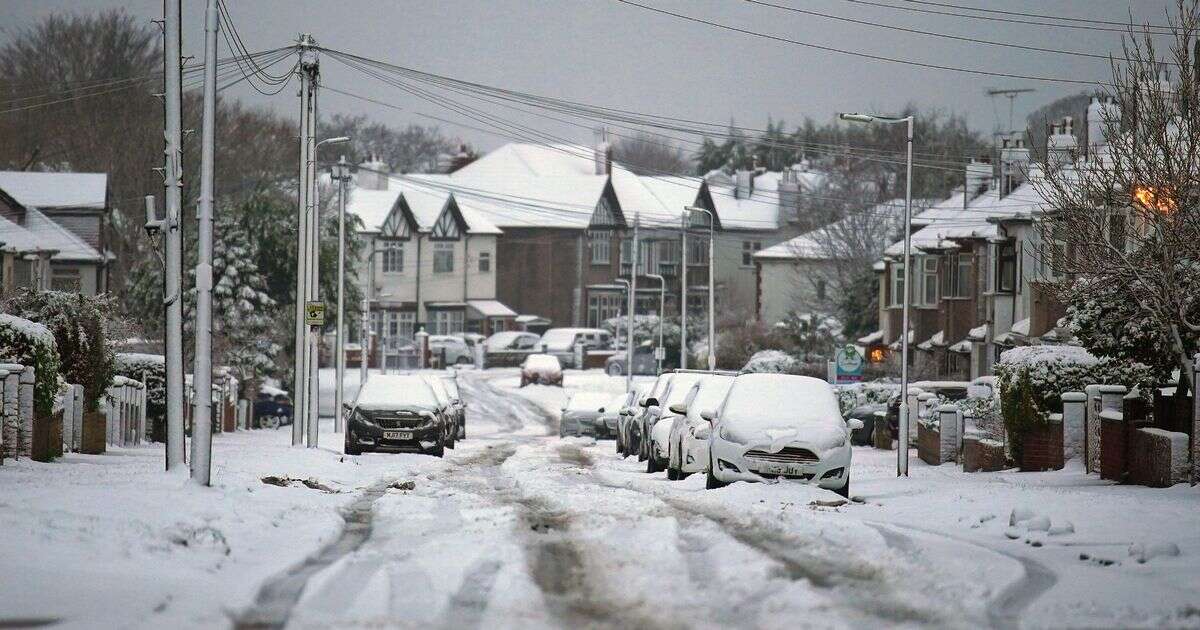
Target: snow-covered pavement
(516, 528)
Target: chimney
(978, 176)
(789, 192)
(1014, 162)
(602, 152)
(743, 184)
(372, 174)
(1061, 145)
(1102, 115)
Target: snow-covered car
(868, 415)
(509, 348)
(396, 413)
(619, 406)
(561, 342)
(688, 446)
(460, 406)
(449, 408)
(541, 369)
(779, 426)
(635, 424)
(582, 414)
(643, 362)
(657, 426)
(451, 350)
(950, 390)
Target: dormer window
(446, 227)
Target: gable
(607, 213)
(399, 221)
(450, 224)
(699, 220)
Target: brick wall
(1157, 458)
(1112, 446)
(1042, 448)
(982, 455)
(929, 445)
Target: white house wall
(395, 287)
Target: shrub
(152, 367)
(986, 412)
(78, 324)
(32, 344)
(1057, 369)
(1020, 410)
(771, 361)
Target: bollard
(1074, 419)
(68, 404)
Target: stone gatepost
(1074, 411)
(25, 410)
(1091, 422)
(12, 410)
(950, 431)
(68, 427)
(422, 339)
(1113, 436)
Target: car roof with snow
(391, 391)
(712, 391)
(677, 391)
(770, 401)
(589, 401)
(542, 361)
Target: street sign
(849, 365)
(314, 313)
(660, 354)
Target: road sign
(314, 313)
(660, 354)
(849, 365)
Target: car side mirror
(709, 414)
(855, 424)
(679, 408)
(702, 433)
(650, 402)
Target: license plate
(783, 469)
(397, 435)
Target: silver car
(583, 414)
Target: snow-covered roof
(56, 190)
(895, 345)
(936, 341)
(491, 308)
(14, 238)
(874, 337)
(426, 201)
(814, 244)
(41, 233)
(561, 201)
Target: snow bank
(770, 361)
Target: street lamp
(712, 300)
(340, 173)
(902, 447)
(660, 352)
(630, 303)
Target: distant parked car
(452, 349)
(449, 406)
(541, 369)
(509, 348)
(450, 381)
(396, 413)
(561, 342)
(657, 425)
(634, 423)
(643, 362)
(618, 408)
(780, 426)
(950, 390)
(582, 414)
(272, 412)
(687, 448)
(868, 415)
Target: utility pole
(341, 173)
(202, 367)
(173, 237)
(683, 291)
(300, 375)
(633, 273)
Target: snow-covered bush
(984, 412)
(32, 344)
(79, 324)
(869, 393)
(1057, 369)
(772, 361)
(151, 367)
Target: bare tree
(650, 154)
(1127, 216)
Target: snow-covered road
(516, 528)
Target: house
(795, 276)
(53, 227)
(430, 262)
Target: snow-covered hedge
(771, 361)
(856, 394)
(152, 367)
(30, 343)
(1057, 369)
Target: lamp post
(659, 352)
(902, 447)
(712, 299)
(629, 325)
(340, 173)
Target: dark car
(272, 412)
(868, 414)
(397, 413)
(950, 390)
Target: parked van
(561, 342)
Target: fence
(124, 410)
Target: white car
(448, 405)
(780, 426)
(658, 422)
(451, 350)
(688, 445)
(541, 369)
(629, 432)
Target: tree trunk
(1185, 362)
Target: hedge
(32, 344)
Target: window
(698, 251)
(485, 262)
(602, 306)
(956, 282)
(393, 256)
(600, 243)
(928, 280)
(400, 326)
(443, 258)
(66, 280)
(1006, 267)
(446, 322)
(748, 249)
(668, 257)
(820, 289)
(897, 284)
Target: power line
(854, 53)
(1083, 27)
(1038, 15)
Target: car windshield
(712, 392)
(451, 386)
(678, 390)
(559, 338)
(501, 340)
(589, 401)
(390, 391)
(439, 389)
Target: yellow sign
(314, 313)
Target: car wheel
(712, 483)
(845, 490)
(652, 465)
(671, 474)
(615, 370)
(350, 449)
(462, 361)
(439, 450)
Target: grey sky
(606, 53)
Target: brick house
(53, 231)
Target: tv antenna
(1011, 94)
